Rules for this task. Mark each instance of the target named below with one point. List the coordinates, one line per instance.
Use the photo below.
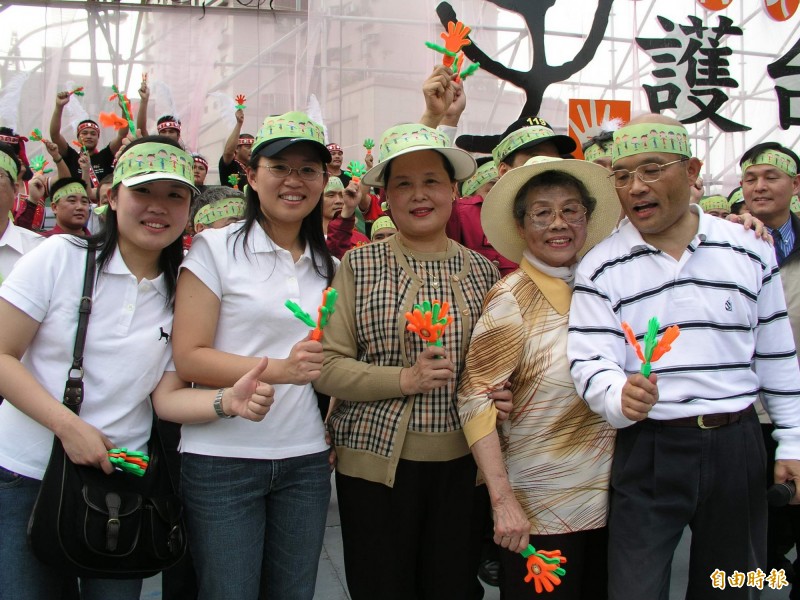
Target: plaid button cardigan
(367, 345)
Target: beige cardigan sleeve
(343, 375)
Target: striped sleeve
(494, 352)
(776, 365)
(596, 349)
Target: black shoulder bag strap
(73, 391)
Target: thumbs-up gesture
(249, 397)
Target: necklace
(432, 279)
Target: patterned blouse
(557, 452)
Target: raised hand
(52, 148)
(62, 98)
(352, 195)
(438, 90)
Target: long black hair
(310, 229)
(106, 240)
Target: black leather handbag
(89, 524)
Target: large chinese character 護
(693, 67)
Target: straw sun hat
(497, 214)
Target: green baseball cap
(278, 132)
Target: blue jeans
(22, 576)
(256, 525)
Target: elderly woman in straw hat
(405, 477)
(547, 468)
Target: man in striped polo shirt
(689, 449)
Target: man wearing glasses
(689, 449)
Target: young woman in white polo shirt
(126, 352)
(256, 494)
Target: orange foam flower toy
(544, 568)
(428, 320)
(653, 349)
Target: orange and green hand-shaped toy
(78, 91)
(653, 350)
(324, 312)
(39, 165)
(233, 181)
(369, 144)
(36, 135)
(356, 170)
(125, 104)
(428, 320)
(544, 568)
(113, 120)
(240, 102)
(129, 461)
(455, 38)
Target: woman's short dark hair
(550, 179)
(106, 239)
(310, 229)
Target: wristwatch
(218, 405)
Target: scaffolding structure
(357, 59)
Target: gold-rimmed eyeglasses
(543, 217)
(647, 173)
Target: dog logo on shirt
(164, 335)
(728, 305)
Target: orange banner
(586, 116)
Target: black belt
(706, 421)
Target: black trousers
(411, 541)
(665, 478)
(586, 567)
(783, 531)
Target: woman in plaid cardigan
(405, 478)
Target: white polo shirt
(253, 321)
(724, 293)
(14, 243)
(124, 359)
